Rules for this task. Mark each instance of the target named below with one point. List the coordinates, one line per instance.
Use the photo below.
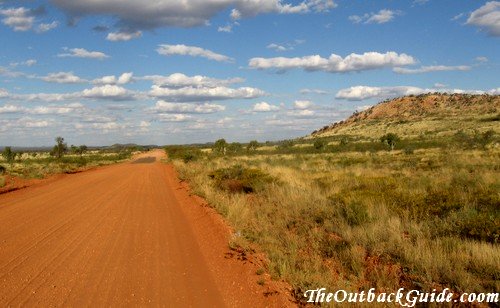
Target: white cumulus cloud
(113, 80)
(381, 17)
(111, 92)
(302, 105)
(487, 17)
(19, 19)
(182, 108)
(204, 94)
(177, 80)
(62, 77)
(264, 107)
(335, 63)
(83, 53)
(193, 51)
(45, 27)
(123, 36)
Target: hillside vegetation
(405, 194)
(420, 115)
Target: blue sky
(99, 72)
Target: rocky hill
(415, 115)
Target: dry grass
(41, 164)
(354, 220)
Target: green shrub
(319, 144)
(184, 153)
(354, 213)
(2, 181)
(240, 179)
(2, 170)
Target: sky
(99, 72)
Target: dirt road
(126, 234)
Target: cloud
(227, 28)
(457, 17)
(381, 17)
(28, 63)
(313, 91)
(487, 17)
(135, 15)
(113, 80)
(41, 28)
(432, 68)
(481, 59)
(182, 108)
(302, 113)
(335, 63)
(62, 77)
(359, 93)
(183, 50)
(111, 92)
(123, 36)
(19, 19)
(177, 80)
(3, 93)
(83, 53)
(264, 107)
(420, 2)
(191, 94)
(43, 110)
(10, 109)
(277, 47)
(302, 105)
(285, 47)
(173, 117)
(53, 109)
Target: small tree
(253, 145)
(60, 148)
(8, 154)
(319, 144)
(82, 149)
(234, 147)
(220, 146)
(390, 139)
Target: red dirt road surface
(126, 234)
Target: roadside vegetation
(61, 159)
(355, 211)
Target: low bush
(186, 154)
(2, 170)
(240, 179)
(2, 181)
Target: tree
(253, 145)
(60, 148)
(220, 146)
(390, 139)
(8, 154)
(319, 144)
(82, 149)
(234, 147)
